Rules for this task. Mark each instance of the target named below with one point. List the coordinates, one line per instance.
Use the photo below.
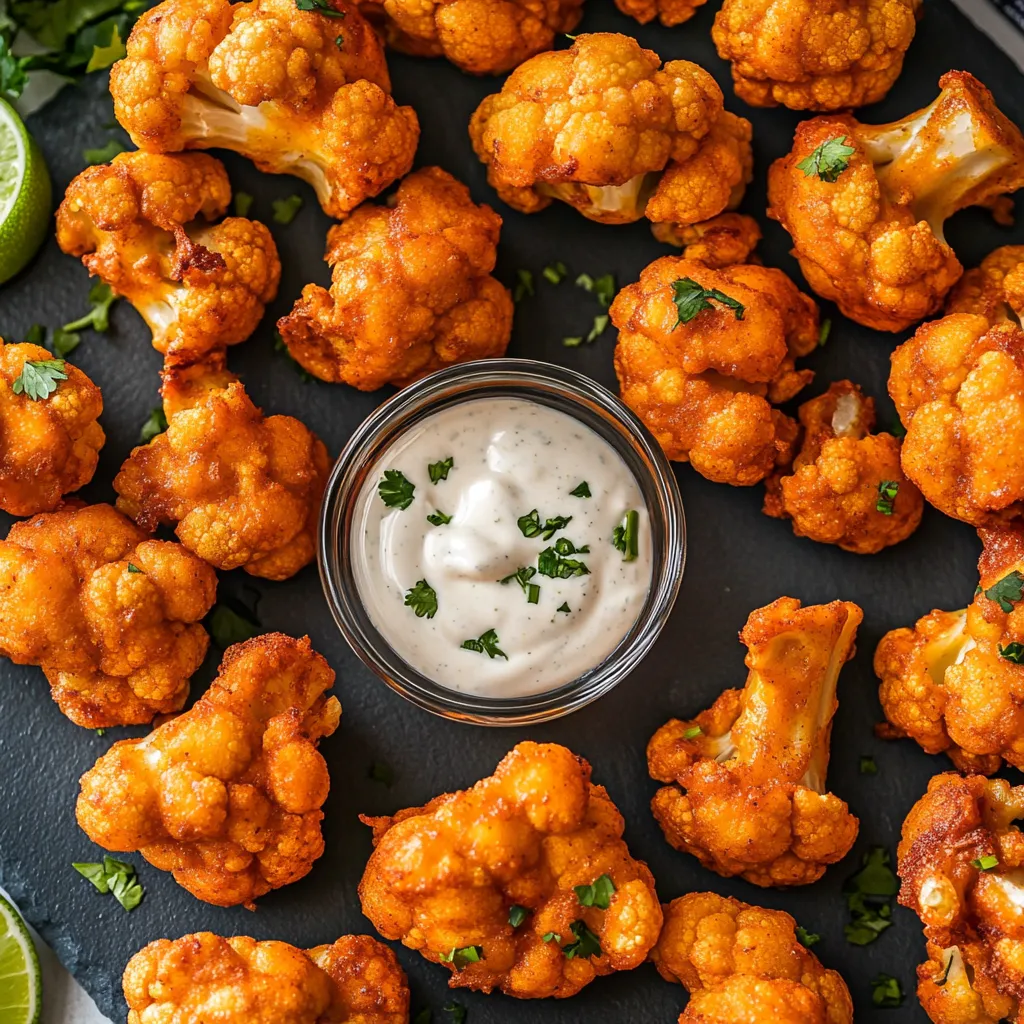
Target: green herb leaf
(281, 347)
(581, 490)
(555, 272)
(439, 518)
(439, 470)
(321, 7)
(602, 288)
(286, 209)
(693, 732)
(564, 607)
(867, 765)
(339, 41)
(600, 323)
(486, 643)
(587, 944)
(457, 1011)
(531, 526)
(95, 873)
(1008, 591)
(691, 299)
(806, 938)
(463, 956)
(522, 576)
(517, 914)
(552, 562)
(598, 894)
(551, 937)
(13, 72)
(102, 154)
(103, 56)
(395, 490)
(573, 342)
(422, 599)
(829, 160)
(228, 627)
(868, 894)
(626, 536)
(156, 424)
(886, 992)
(65, 342)
(886, 499)
(36, 335)
(243, 204)
(115, 877)
(1013, 651)
(524, 285)
(101, 732)
(101, 298)
(132, 567)
(826, 330)
(39, 378)
(898, 430)
(382, 772)
(986, 863)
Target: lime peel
(21, 987)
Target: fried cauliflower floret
(958, 385)
(411, 289)
(704, 387)
(226, 796)
(951, 683)
(726, 239)
(444, 877)
(845, 485)
(869, 234)
(605, 127)
(242, 489)
(961, 862)
(143, 224)
(744, 965)
(834, 56)
(745, 789)
(111, 617)
(296, 91)
(201, 977)
(49, 446)
(995, 290)
(668, 12)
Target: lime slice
(25, 195)
(21, 988)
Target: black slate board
(738, 560)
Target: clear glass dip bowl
(568, 392)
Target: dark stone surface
(738, 560)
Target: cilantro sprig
(829, 160)
(691, 299)
(422, 599)
(554, 563)
(39, 378)
(586, 944)
(1007, 591)
(396, 490)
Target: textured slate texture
(738, 560)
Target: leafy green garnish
(517, 914)
(36, 335)
(555, 272)
(552, 561)
(13, 72)
(439, 470)
(986, 863)
(39, 378)
(522, 576)
(65, 342)
(103, 56)
(462, 956)
(1008, 591)
(101, 298)
(602, 288)
(339, 41)
(115, 877)
(524, 285)
(422, 599)
(598, 894)
(886, 992)
(132, 567)
(228, 626)
(581, 490)
(826, 330)
(395, 490)
(243, 204)
(868, 893)
(320, 6)
(457, 1011)
(693, 732)
(887, 490)
(806, 938)
(486, 643)
(551, 937)
(531, 526)
(626, 536)
(587, 944)
(156, 424)
(438, 518)
(286, 209)
(564, 607)
(103, 154)
(829, 160)
(1013, 651)
(898, 430)
(382, 772)
(867, 765)
(573, 342)
(691, 299)
(600, 323)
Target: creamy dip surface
(488, 472)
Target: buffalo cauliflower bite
(142, 224)
(243, 489)
(745, 789)
(866, 213)
(846, 53)
(536, 835)
(995, 290)
(200, 977)
(726, 239)
(845, 485)
(111, 617)
(961, 863)
(226, 796)
(958, 385)
(411, 289)
(605, 127)
(745, 965)
(668, 12)
(49, 446)
(296, 91)
(951, 683)
(704, 387)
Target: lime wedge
(25, 195)
(21, 988)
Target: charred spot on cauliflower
(994, 290)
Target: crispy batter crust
(995, 290)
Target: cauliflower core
(958, 385)
(445, 878)
(295, 91)
(48, 446)
(112, 617)
(961, 862)
(746, 778)
(226, 796)
(142, 225)
(704, 387)
(834, 56)
(605, 127)
(995, 290)
(411, 289)
(745, 965)
(203, 977)
(836, 490)
(950, 682)
(869, 235)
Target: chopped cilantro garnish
(463, 956)
(693, 732)
(867, 765)
(156, 424)
(395, 490)
(885, 502)
(806, 938)
(602, 288)
(132, 567)
(323, 7)
(438, 518)
(115, 877)
(243, 204)
(564, 607)
(524, 285)
(586, 944)
(626, 536)
(439, 470)
(1013, 651)
(531, 526)
(422, 599)
(486, 643)
(382, 772)
(286, 209)
(65, 342)
(581, 490)
(228, 626)
(573, 342)
(691, 299)
(36, 335)
(339, 41)
(517, 915)
(986, 863)
(552, 562)
(598, 894)
(522, 576)
(868, 894)
(898, 430)
(551, 937)
(555, 272)
(600, 323)
(102, 154)
(103, 56)
(829, 160)
(886, 992)
(826, 330)
(39, 378)
(1008, 591)
(101, 298)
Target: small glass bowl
(549, 385)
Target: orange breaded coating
(961, 862)
(668, 12)
(995, 290)
(296, 91)
(226, 796)
(605, 127)
(726, 239)
(49, 446)
(744, 965)
(869, 234)
(704, 387)
(111, 617)
(955, 682)
(203, 977)
(824, 56)
(745, 789)
(845, 485)
(958, 385)
(443, 878)
(244, 489)
(411, 289)
(143, 224)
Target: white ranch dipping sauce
(510, 456)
